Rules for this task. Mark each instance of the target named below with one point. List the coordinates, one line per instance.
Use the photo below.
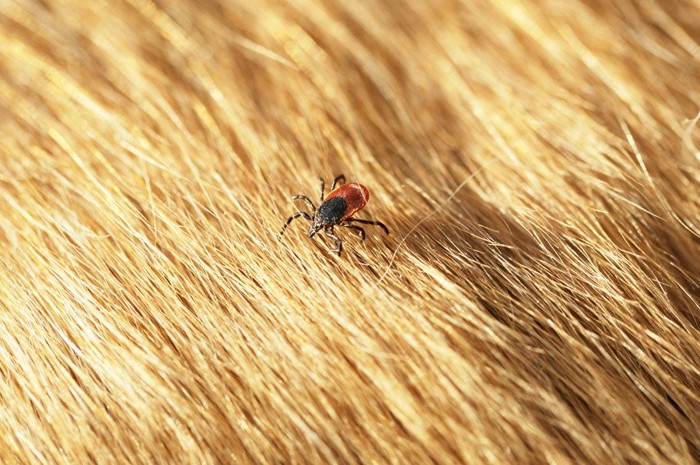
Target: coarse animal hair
(537, 163)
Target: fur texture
(537, 300)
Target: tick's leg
(291, 218)
(323, 189)
(376, 223)
(306, 200)
(338, 243)
(356, 228)
(338, 178)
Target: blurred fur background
(536, 302)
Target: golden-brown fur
(537, 300)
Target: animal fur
(537, 162)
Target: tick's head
(319, 223)
(315, 228)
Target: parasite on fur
(336, 209)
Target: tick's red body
(355, 196)
(336, 209)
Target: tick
(336, 209)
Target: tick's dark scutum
(331, 211)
